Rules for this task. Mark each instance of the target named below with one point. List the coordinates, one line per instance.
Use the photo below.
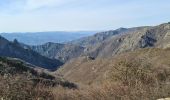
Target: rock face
(14, 50)
(109, 43)
(131, 39)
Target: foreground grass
(130, 79)
(138, 75)
(21, 82)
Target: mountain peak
(121, 29)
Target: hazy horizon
(76, 15)
(70, 32)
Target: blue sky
(79, 15)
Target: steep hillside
(63, 52)
(14, 50)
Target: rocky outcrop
(135, 38)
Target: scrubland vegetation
(140, 75)
(129, 78)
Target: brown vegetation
(138, 75)
(21, 82)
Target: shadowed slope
(14, 50)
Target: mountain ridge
(108, 43)
(13, 49)
(144, 37)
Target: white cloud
(25, 15)
(15, 6)
(35, 4)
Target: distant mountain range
(37, 38)
(100, 45)
(109, 43)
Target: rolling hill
(139, 75)
(99, 69)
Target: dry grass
(21, 82)
(140, 75)
(111, 91)
(17, 88)
(129, 80)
